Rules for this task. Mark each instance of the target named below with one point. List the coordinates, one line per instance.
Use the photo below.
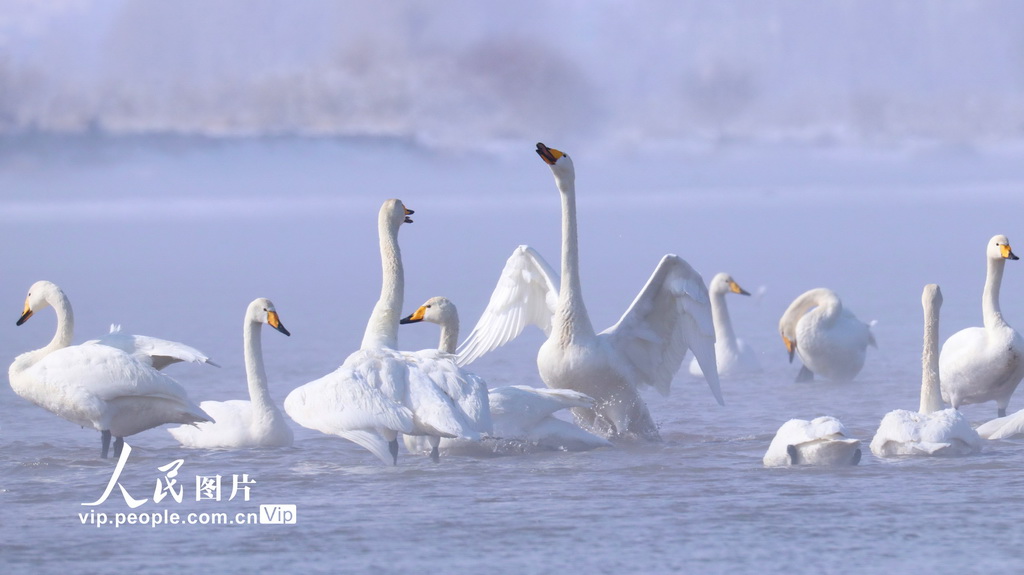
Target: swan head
(931, 297)
(262, 310)
(394, 213)
(39, 296)
(999, 248)
(723, 283)
(559, 161)
(439, 310)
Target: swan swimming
(239, 423)
(732, 354)
(379, 392)
(95, 385)
(820, 441)
(931, 430)
(829, 339)
(980, 364)
(671, 314)
(519, 414)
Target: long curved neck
(449, 333)
(723, 324)
(382, 328)
(571, 320)
(255, 374)
(931, 394)
(61, 339)
(992, 315)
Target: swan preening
(671, 314)
(931, 430)
(733, 355)
(520, 415)
(239, 423)
(980, 364)
(820, 441)
(829, 339)
(117, 391)
(379, 392)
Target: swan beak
(790, 347)
(275, 322)
(549, 155)
(25, 314)
(735, 287)
(416, 316)
(1007, 252)
(408, 213)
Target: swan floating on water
(239, 423)
(519, 414)
(980, 364)
(733, 355)
(829, 339)
(379, 392)
(671, 314)
(820, 441)
(95, 385)
(931, 430)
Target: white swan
(1007, 427)
(94, 385)
(980, 364)
(671, 314)
(157, 352)
(931, 430)
(379, 392)
(519, 414)
(239, 423)
(733, 355)
(820, 441)
(829, 339)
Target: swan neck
(382, 328)
(992, 314)
(931, 394)
(571, 320)
(449, 334)
(255, 374)
(62, 338)
(723, 323)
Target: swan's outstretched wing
(526, 294)
(670, 315)
(154, 351)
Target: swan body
(931, 430)
(980, 364)
(829, 339)
(671, 314)
(821, 441)
(732, 354)
(520, 415)
(95, 385)
(239, 423)
(1007, 427)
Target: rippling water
(294, 222)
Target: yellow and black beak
(416, 316)
(1007, 253)
(735, 288)
(790, 347)
(275, 322)
(25, 314)
(549, 155)
(408, 213)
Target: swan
(829, 339)
(94, 385)
(671, 314)
(379, 392)
(240, 423)
(733, 355)
(820, 441)
(519, 414)
(980, 364)
(159, 353)
(1007, 427)
(931, 430)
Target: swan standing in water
(980, 364)
(379, 392)
(671, 314)
(95, 385)
(240, 423)
(931, 430)
(820, 441)
(519, 414)
(733, 355)
(829, 339)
